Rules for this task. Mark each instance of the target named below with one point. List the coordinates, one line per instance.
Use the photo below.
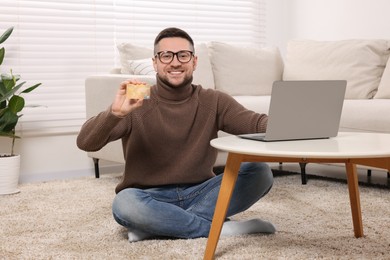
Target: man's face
(174, 73)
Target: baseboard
(65, 175)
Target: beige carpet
(72, 220)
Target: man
(168, 186)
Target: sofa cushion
(130, 53)
(360, 62)
(141, 67)
(245, 70)
(384, 85)
(366, 115)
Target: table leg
(225, 193)
(354, 197)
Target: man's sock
(137, 235)
(231, 228)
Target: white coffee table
(351, 148)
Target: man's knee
(260, 172)
(126, 206)
(259, 175)
(254, 181)
(266, 174)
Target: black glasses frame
(158, 54)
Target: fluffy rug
(72, 220)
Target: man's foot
(231, 228)
(136, 235)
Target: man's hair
(170, 33)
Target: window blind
(60, 43)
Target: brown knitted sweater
(167, 140)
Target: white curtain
(60, 43)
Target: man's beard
(186, 81)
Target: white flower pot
(9, 174)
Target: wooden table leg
(225, 193)
(354, 197)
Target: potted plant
(11, 105)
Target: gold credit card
(138, 91)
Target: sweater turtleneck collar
(167, 92)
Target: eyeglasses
(167, 57)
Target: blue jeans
(186, 211)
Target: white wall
(277, 24)
(55, 157)
(327, 20)
(340, 19)
(49, 157)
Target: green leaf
(31, 88)
(2, 53)
(10, 89)
(2, 89)
(9, 134)
(8, 121)
(16, 104)
(6, 34)
(8, 81)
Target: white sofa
(247, 73)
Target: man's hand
(122, 105)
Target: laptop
(302, 110)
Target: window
(60, 43)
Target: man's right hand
(122, 105)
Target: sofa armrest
(115, 71)
(100, 91)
